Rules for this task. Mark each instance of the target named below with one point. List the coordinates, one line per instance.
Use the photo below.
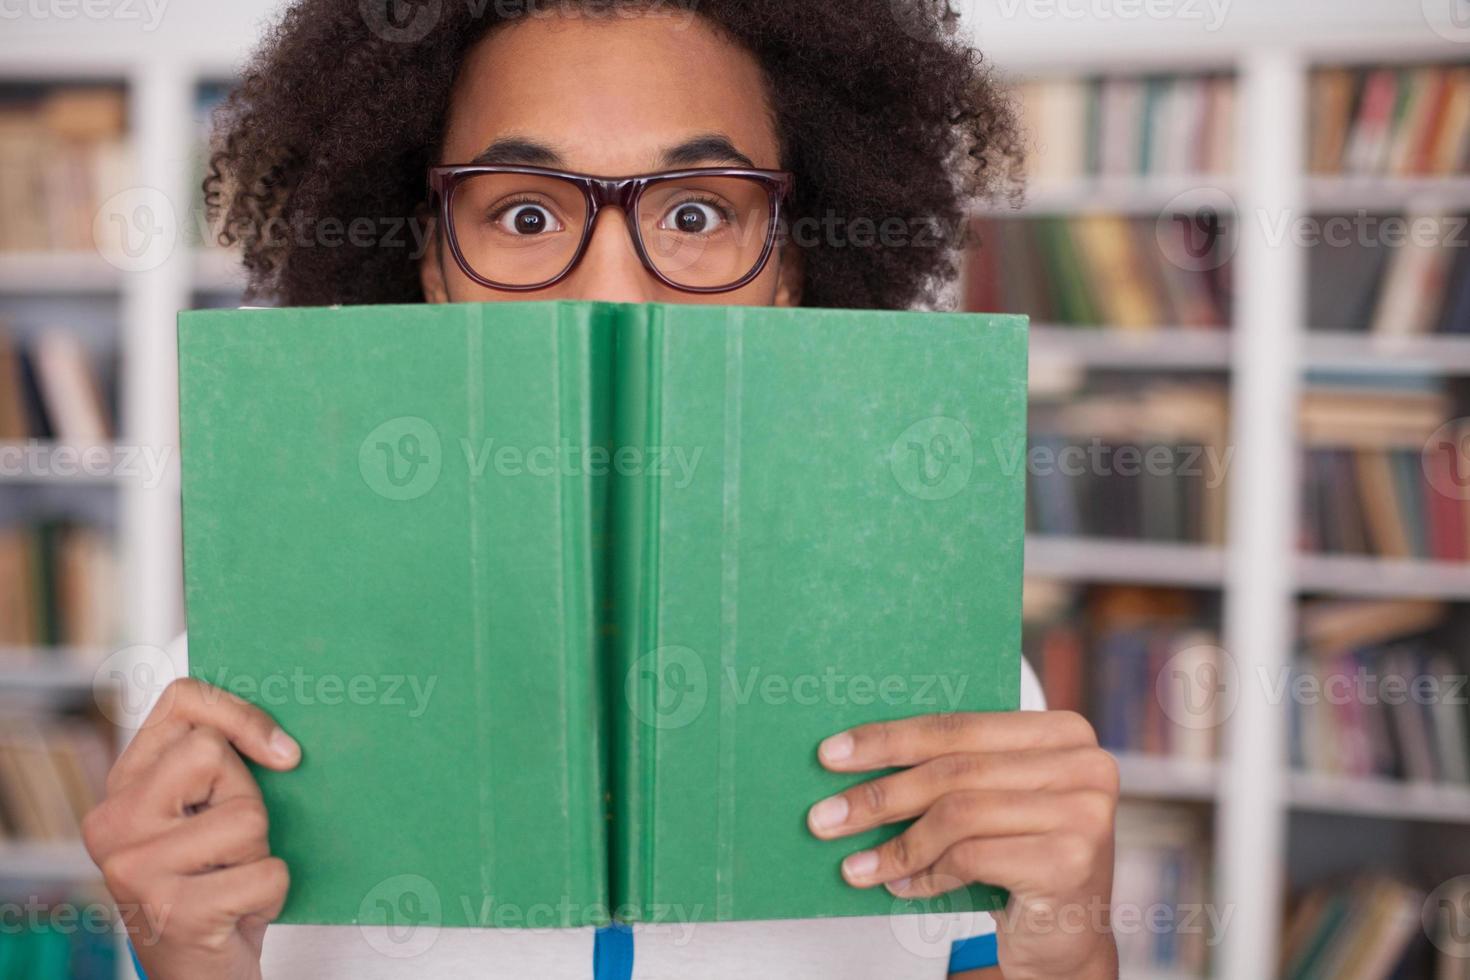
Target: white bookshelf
(1163, 778)
(1380, 798)
(161, 71)
(1124, 562)
(47, 863)
(1268, 45)
(1270, 48)
(1136, 196)
(1164, 349)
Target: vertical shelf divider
(1259, 597)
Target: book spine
(635, 678)
(584, 385)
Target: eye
(694, 218)
(525, 220)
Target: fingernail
(900, 886)
(860, 865)
(829, 813)
(837, 748)
(284, 746)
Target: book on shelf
(40, 949)
(1097, 270)
(63, 152)
(1128, 126)
(52, 771)
(1377, 697)
(1410, 121)
(58, 583)
(1370, 928)
(1162, 878)
(496, 496)
(1145, 461)
(50, 390)
(1116, 658)
(1410, 282)
(1373, 481)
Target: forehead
(610, 93)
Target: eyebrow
(518, 151)
(705, 149)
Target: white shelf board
(1133, 562)
(1387, 798)
(1371, 193)
(1145, 196)
(1362, 576)
(1165, 778)
(33, 273)
(61, 669)
(65, 861)
(1165, 348)
(1442, 354)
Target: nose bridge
(610, 268)
(614, 192)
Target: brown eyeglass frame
(601, 192)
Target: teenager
(872, 128)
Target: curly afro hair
(883, 109)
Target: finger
(910, 741)
(232, 833)
(906, 794)
(955, 817)
(1005, 862)
(256, 890)
(188, 704)
(1064, 863)
(198, 770)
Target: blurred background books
(1151, 421)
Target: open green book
(560, 598)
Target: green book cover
(559, 598)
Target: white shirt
(880, 948)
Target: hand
(1024, 800)
(181, 835)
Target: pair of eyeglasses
(708, 230)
